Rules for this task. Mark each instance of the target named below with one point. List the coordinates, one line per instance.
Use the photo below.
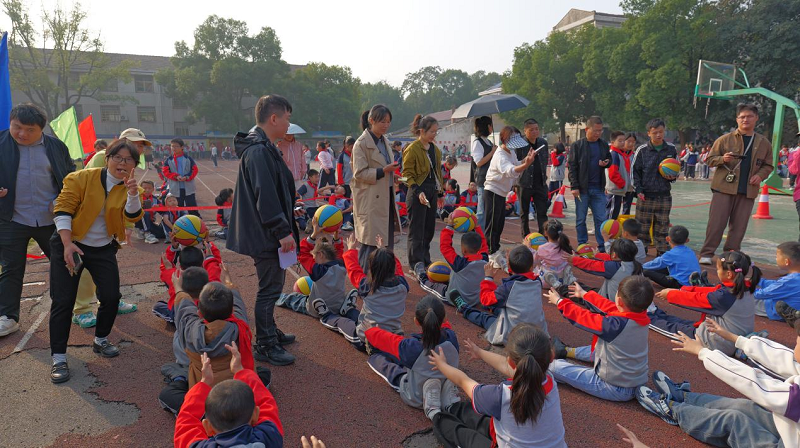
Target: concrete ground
(330, 392)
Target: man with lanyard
(180, 171)
(532, 182)
(743, 160)
(292, 152)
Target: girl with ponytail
(524, 411)
(402, 361)
(730, 304)
(549, 261)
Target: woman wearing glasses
(90, 216)
(421, 162)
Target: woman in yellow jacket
(90, 215)
(421, 162)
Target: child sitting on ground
(149, 225)
(766, 417)
(383, 291)
(780, 299)
(469, 197)
(466, 270)
(403, 361)
(524, 410)
(515, 301)
(168, 218)
(225, 199)
(234, 412)
(551, 257)
(208, 317)
(175, 259)
(630, 231)
(619, 346)
(615, 266)
(328, 300)
(345, 205)
(450, 200)
(730, 304)
(309, 195)
(674, 267)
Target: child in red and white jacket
(224, 200)
(618, 175)
(237, 412)
(177, 258)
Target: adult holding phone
(587, 160)
(90, 216)
(504, 170)
(533, 181)
(421, 167)
(374, 168)
(743, 159)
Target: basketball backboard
(713, 77)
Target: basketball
(611, 228)
(439, 272)
(329, 218)
(669, 167)
(303, 285)
(464, 219)
(534, 240)
(585, 251)
(189, 230)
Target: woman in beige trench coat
(374, 211)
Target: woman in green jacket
(421, 162)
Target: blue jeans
(479, 318)
(723, 421)
(585, 379)
(596, 200)
(480, 213)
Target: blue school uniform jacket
(786, 288)
(680, 261)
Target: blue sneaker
(656, 403)
(665, 386)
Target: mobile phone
(738, 156)
(76, 258)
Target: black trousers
(662, 278)
(270, 285)
(539, 195)
(422, 224)
(14, 239)
(494, 207)
(621, 203)
(102, 264)
(460, 426)
(188, 200)
(327, 179)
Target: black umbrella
(490, 104)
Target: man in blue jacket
(32, 172)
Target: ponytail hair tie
(737, 270)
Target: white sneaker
(705, 260)
(449, 394)
(431, 397)
(8, 326)
(139, 234)
(149, 238)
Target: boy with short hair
(308, 194)
(177, 259)
(619, 347)
(344, 204)
(238, 411)
(515, 301)
(631, 229)
(673, 268)
(149, 228)
(208, 317)
(469, 197)
(780, 299)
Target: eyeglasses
(120, 159)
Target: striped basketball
(303, 285)
(464, 219)
(669, 167)
(611, 229)
(329, 218)
(534, 240)
(189, 230)
(439, 272)
(585, 250)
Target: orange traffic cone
(762, 212)
(558, 204)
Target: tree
(326, 97)
(482, 80)
(64, 63)
(223, 70)
(383, 93)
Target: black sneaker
(694, 279)
(59, 373)
(559, 348)
(453, 296)
(273, 354)
(419, 271)
(285, 339)
(265, 375)
(704, 279)
(106, 349)
(461, 304)
(789, 314)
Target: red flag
(88, 136)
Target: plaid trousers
(654, 211)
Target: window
(181, 129)
(146, 114)
(110, 113)
(112, 85)
(143, 83)
(179, 103)
(74, 80)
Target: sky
(378, 40)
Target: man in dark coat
(587, 160)
(533, 181)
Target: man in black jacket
(588, 158)
(32, 171)
(533, 181)
(653, 190)
(262, 219)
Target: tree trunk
(682, 136)
(563, 128)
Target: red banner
(88, 136)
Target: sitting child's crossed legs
(671, 324)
